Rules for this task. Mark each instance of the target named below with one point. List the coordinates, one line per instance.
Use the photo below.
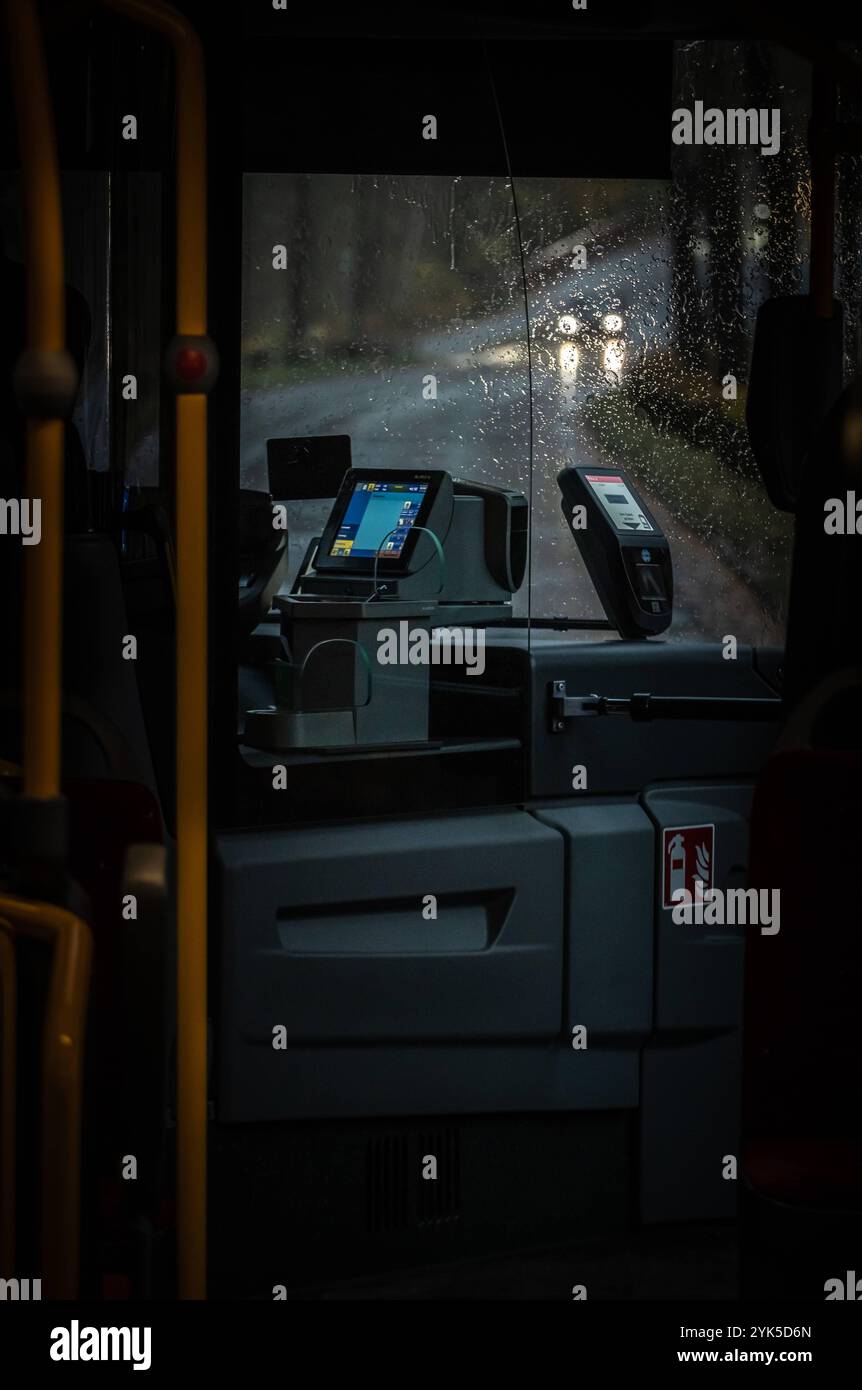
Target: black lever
(643, 706)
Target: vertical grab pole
(192, 697)
(45, 382)
(192, 366)
(8, 1092)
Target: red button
(190, 364)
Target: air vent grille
(400, 1195)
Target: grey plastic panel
(690, 1084)
(699, 969)
(610, 856)
(323, 933)
(544, 921)
(621, 755)
(342, 698)
(689, 1123)
(462, 927)
(423, 1079)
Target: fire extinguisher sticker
(688, 853)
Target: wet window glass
(398, 319)
(643, 298)
(503, 328)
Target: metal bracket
(643, 706)
(564, 706)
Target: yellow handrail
(62, 1075)
(192, 607)
(8, 1064)
(48, 387)
(45, 332)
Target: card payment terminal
(626, 554)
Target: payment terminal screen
(616, 499)
(377, 519)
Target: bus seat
(802, 1061)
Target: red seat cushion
(811, 1174)
(802, 1043)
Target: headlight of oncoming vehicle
(613, 359)
(613, 354)
(568, 324)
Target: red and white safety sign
(688, 853)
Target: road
(479, 427)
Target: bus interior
(430, 653)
